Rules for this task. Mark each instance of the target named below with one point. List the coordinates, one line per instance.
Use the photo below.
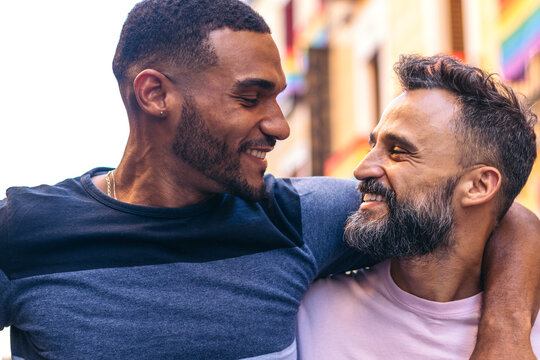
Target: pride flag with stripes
(519, 26)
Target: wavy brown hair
(494, 126)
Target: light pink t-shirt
(367, 316)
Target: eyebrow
(396, 139)
(254, 82)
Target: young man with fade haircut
(185, 250)
(448, 158)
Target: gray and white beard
(408, 229)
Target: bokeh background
(338, 56)
(61, 113)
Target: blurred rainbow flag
(519, 30)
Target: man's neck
(150, 182)
(446, 274)
(436, 280)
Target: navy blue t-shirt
(84, 276)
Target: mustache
(264, 142)
(410, 229)
(371, 185)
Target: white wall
(60, 110)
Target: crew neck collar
(436, 309)
(150, 211)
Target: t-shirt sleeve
(326, 204)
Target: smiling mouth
(373, 197)
(260, 154)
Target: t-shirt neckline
(451, 309)
(148, 211)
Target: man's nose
(370, 166)
(275, 124)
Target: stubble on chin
(213, 157)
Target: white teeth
(373, 197)
(258, 154)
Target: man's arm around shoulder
(512, 280)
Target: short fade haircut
(176, 32)
(492, 127)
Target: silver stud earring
(161, 113)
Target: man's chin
(375, 215)
(254, 195)
(249, 191)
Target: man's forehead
(244, 55)
(419, 110)
(244, 44)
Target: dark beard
(211, 156)
(408, 229)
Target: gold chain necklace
(108, 177)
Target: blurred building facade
(338, 56)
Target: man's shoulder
(322, 205)
(36, 192)
(333, 285)
(313, 184)
(317, 192)
(23, 206)
(324, 202)
(351, 281)
(27, 196)
(330, 293)
(356, 286)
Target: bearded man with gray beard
(186, 249)
(448, 158)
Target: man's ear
(151, 88)
(479, 185)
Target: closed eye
(247, 102)
(398, 150)
(398, 153)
